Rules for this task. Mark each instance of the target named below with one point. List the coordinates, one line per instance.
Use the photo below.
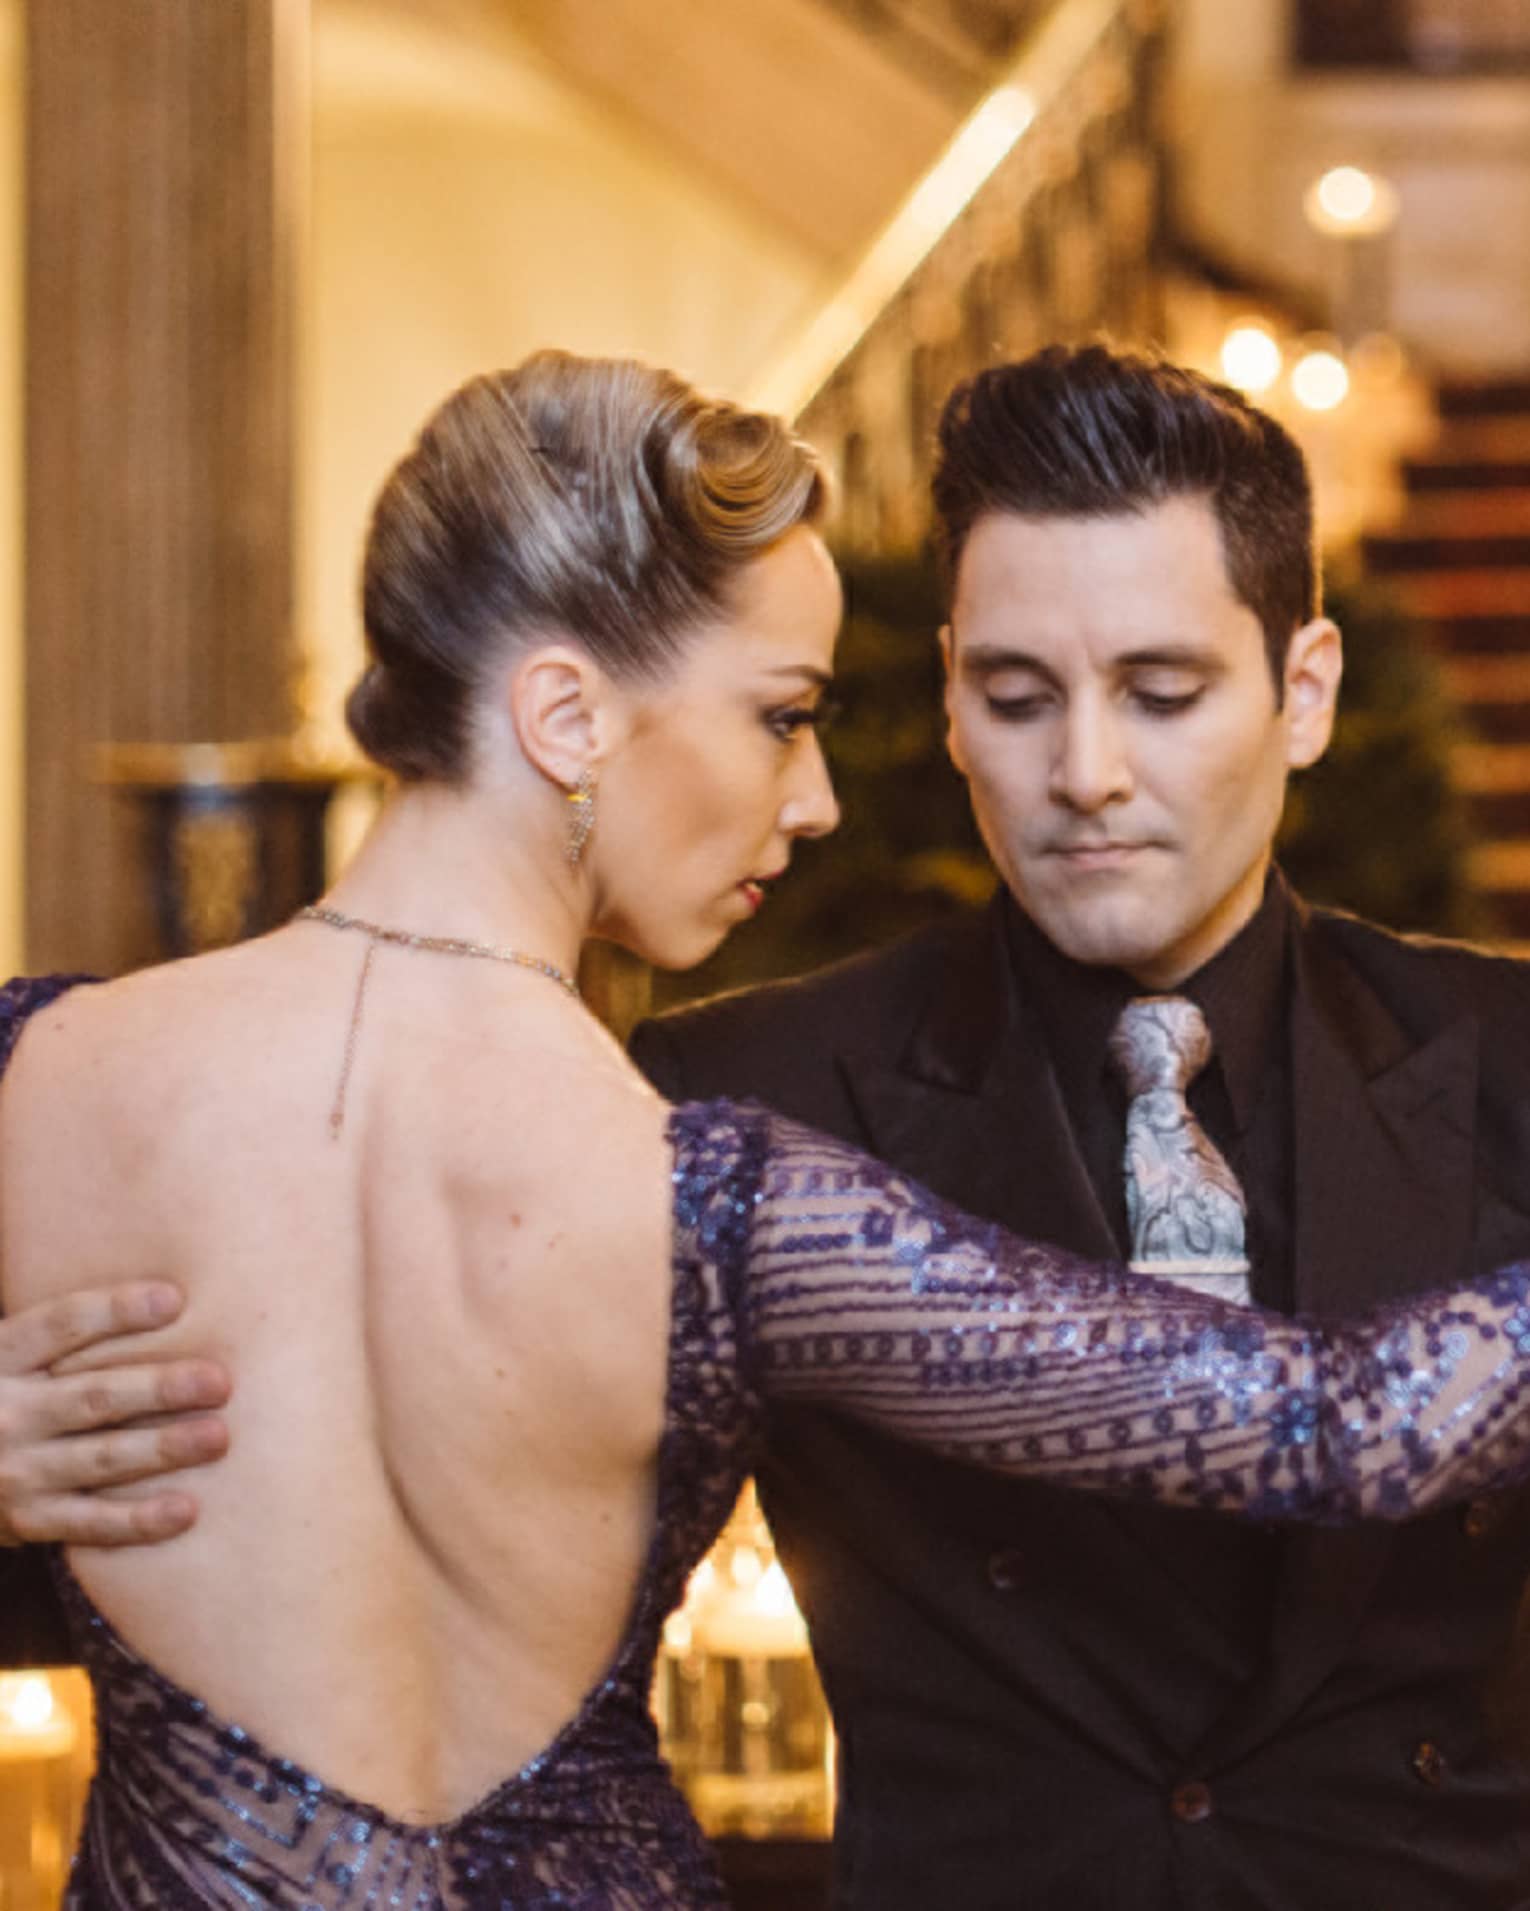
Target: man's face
(1112, 708)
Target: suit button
(1006, 1569)
(1428, 1763)
(1191, 1802)
(1478, 1518)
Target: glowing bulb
(1320, 381)
(1346, 194)
(1349, 203)
(26, 1701)
(1251, 357)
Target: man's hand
(62, 1435)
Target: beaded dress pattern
(802, 1268)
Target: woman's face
(719, 769)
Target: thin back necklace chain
(377, 934)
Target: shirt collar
(1241, 991)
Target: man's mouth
(1096, 855)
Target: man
(1044, 1701)
(1055, 1703)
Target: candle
(45, 1757)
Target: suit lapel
(974, 1108)
(1384, 1155)
(1384, 1169)
(1384, 1141)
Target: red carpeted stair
(1461, 560)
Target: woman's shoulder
(84, 1034)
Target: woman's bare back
(449, 1327)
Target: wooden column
(166, 144)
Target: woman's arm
(864, 1291)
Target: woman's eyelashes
(786, 720)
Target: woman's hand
(63, 1435)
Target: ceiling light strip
(974, 154)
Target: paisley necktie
(1182, 1200)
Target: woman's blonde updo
(596, 498)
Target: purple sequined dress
(803, 1268)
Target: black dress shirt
(1242, 1098)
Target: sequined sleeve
(861, 1290)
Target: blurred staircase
(1460, 560)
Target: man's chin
(1097, 944)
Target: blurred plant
(1375, 827)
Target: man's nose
(811, 807)
(1091, 767)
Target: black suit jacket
(1038, 1705)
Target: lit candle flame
(26, 1701)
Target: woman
(503, 1323)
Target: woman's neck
(444, 862)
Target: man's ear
(1314, 665)
(948, 659)
(560, 705)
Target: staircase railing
(1042, 219)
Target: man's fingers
(112, 1396)
(120, 1457)
(78, 1520)
(51, 1493)
(30, 1341)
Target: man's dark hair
(1089, 432)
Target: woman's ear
(560, 702)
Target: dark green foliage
(1374, 828)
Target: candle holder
(741, 1714)
(45, 1759)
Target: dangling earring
(581, 818)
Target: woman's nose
(811, 809)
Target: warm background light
(32, 1722)
(46, 1744)
(972, 155)
(1349, 202)
(1346, 193)
(1251, 357)
(1319, 380)
(741, 1714)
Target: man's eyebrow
(1173, 656)
(984, 660)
